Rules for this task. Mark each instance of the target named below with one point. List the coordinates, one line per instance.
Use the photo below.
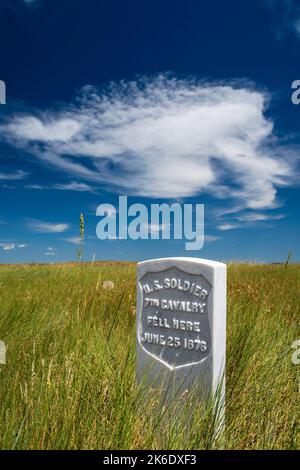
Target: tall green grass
(69, 380)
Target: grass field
(69, 377)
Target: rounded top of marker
(207, 262)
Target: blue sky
(160, 101)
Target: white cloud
(8, 246)
(248, 219)
(49, 253)
(164, 138)
(74, 240)
(32, 128)
(46, 227)
(17, 175)
(74, 186)
(257, 217)
(227, 226)
(34, 186)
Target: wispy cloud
(73, 240)
(74, 186)
(257, 217)
(46, 227)
(8, 246)
(34, 186)
(16, 175)
(248, 220)
(164, 138)
(227, 226)
(286, 16)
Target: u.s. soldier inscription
(181, 320)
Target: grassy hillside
(69, 380)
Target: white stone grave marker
(181, 324)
